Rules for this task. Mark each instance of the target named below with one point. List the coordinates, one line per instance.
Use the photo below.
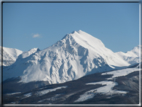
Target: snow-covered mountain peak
(135, 51)
(131, 56)
(84, 39)
(76, 55)
(28, 53)
(12, 52)
(34, 49)
(9, 55)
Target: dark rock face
(73, 90)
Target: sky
(40, 25)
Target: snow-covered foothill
(122, 72)
(107, 89)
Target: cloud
(36, 35)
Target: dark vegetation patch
(13, 85)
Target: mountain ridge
(68, 59)
(132, 56)
(9, 55)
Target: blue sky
(30, 25)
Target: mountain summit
(132, 56)
(76, 55)
(9, 55)
(84, 39)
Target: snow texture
(122, 72)
(87, 95)
(132, 56)
(13, 93)
(107, 90)
(9, 55)
(40, 93)
(27, 95)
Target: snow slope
(132, 56)
(40, 93)
(122, 72)
(9, 55)
(107, 90)
(108, 85)
(76, 55)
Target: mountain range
(78, 69)
(77, 54)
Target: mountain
(132, 56)
(77, 54)
(9, 55)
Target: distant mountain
(132, 56)
(77, 54)
(9, 55)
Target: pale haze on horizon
(40, 25)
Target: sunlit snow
(122, 72)
(107, 90)
(9, 55)
(40, 93)
(132, 56)
(27, 95)
(13, 93)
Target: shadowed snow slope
(76, 55)
(132, 56)
(9, 55)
